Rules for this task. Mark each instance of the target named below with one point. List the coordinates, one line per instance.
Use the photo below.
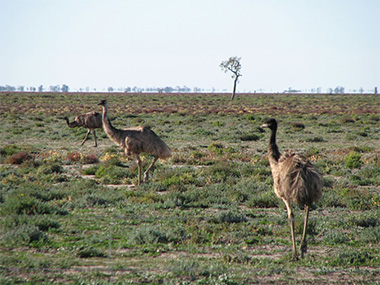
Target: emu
(135, 141)
(295, 180)
(90, 120)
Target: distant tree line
(52, 88)
(169, 89)
(135, 89)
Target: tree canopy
(232, 64)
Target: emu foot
(295, 257)
(146, 176)
(303, 248)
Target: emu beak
(264, 125)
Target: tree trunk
(234, 90)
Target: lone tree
(233, 65)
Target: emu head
(103, 103)
(270, 124)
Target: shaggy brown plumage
(135, 141)
(295, 180)
(90, 121)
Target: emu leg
(86, 137)
(146, 175)
(96, 143)
(139, 167)
(291, 223)
(303, 246)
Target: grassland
(208, 215)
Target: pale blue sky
(302, 44)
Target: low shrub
(113, 174)
(351, 257)
(18, 158)
(96, 200)
(186, 199)
(352, 160)
(73, 157)
(315, 139)
(49, 168)
(330, 198)
(221, 172)
(178, 176)
(78, 157)
(298, 126)
(32, 199)
(148, 235)
(216, 148)
(90, 159)
(45, 223)
(172, 180)
(87, 252)
(346, 120)
(9, 150)
(90, 170)
(42, 222)
(24, 235)
(25, 204)
(250, 137)
(335, 237)
(356, 199)
(79, 187)
(220, 149)
(266, 199)
(365, 220)
(250, 117)
(370, 171)
(360, 181)
(230, 217)
(218, 124)
(374, 117)
(370, 235)
(111, 159)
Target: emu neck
(73, 124)
(111, 131)
(106, 122)
(67, 121)
(274, 153)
